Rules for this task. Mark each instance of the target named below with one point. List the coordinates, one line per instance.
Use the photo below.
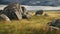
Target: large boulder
(39, 12)
(55, 24)
(13, 11)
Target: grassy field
(34, 25)
(54, 14)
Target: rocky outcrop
(55, 24)
(15, 11)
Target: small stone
(45, 14)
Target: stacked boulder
(14, 11)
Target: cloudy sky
(33, 2)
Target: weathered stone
(4, 17)
(18, 15)
(55, 24)
(40, 12)
(13, 11)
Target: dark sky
(33, 2)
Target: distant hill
(35, 8)
(33, 2)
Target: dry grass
(34, 25)
(55, 14)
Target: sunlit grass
(33, 25)
(55, 14)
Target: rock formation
(15, 11)
(55, 24)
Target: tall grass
(34, 25)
